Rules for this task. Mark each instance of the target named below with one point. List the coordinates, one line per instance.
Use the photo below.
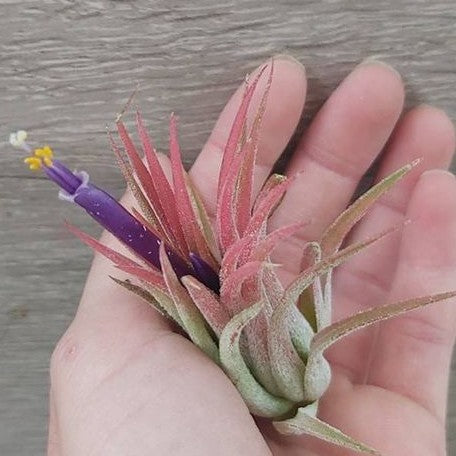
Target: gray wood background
(65, 69)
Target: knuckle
(64, 354)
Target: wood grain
(67, 66)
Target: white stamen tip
(17, 139)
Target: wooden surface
(65, 69)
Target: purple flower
(112, 216)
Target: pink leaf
(147, 184)
(139, 167)
(136, 190)
(265, 247)
(208, 304)
(162, 187)
(225, 218)
(110, 254)
(266, 206)
(244, 191)
(231, 257)
(230, 292)
(205, 224)
(121, 261)
(236, 130)
(192, 229)
(272, 181)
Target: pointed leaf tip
(334, 235)
(331, 334)
(305, 423)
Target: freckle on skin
(68, 350)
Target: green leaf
(316, 365)
(306, 306)
(192, 320)
(144, 294)
(307, 277)
(325, 338)
(306, 423)
(259, 401)
(336, 232)
(158, 300)
(286, 363)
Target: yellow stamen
(34, 163)
(40, 156)
(45, 152)
(47, 161)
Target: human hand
(123, 383)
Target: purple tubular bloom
(63, 177)
(115, 218)
(205, 271)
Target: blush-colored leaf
(236, 130)
(265, 247)
(336, 232)
(192, 231)
(325, 338)
(226, 218)
(272, 181)
(163, 191)
(208, 304)
(193, 322)
(204, 221)
(143, 202)
(116, 257)
(230, 261)
(244, 187)
(266, 206)
(122, 262)
(152, 277)
(306, 278)
(171, 229)
(230, 292)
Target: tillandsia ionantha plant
(218, 283)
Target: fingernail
(442, 173)
(373, 60)
(288, 57)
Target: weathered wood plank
(67, 66)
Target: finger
(110, 324)
(119, 363)
(103, 298)
(423, 132)
(342, 142)
(53, 447)
(413, 352)
(284, 107)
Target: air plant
(217, 283)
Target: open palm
(122, 383)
